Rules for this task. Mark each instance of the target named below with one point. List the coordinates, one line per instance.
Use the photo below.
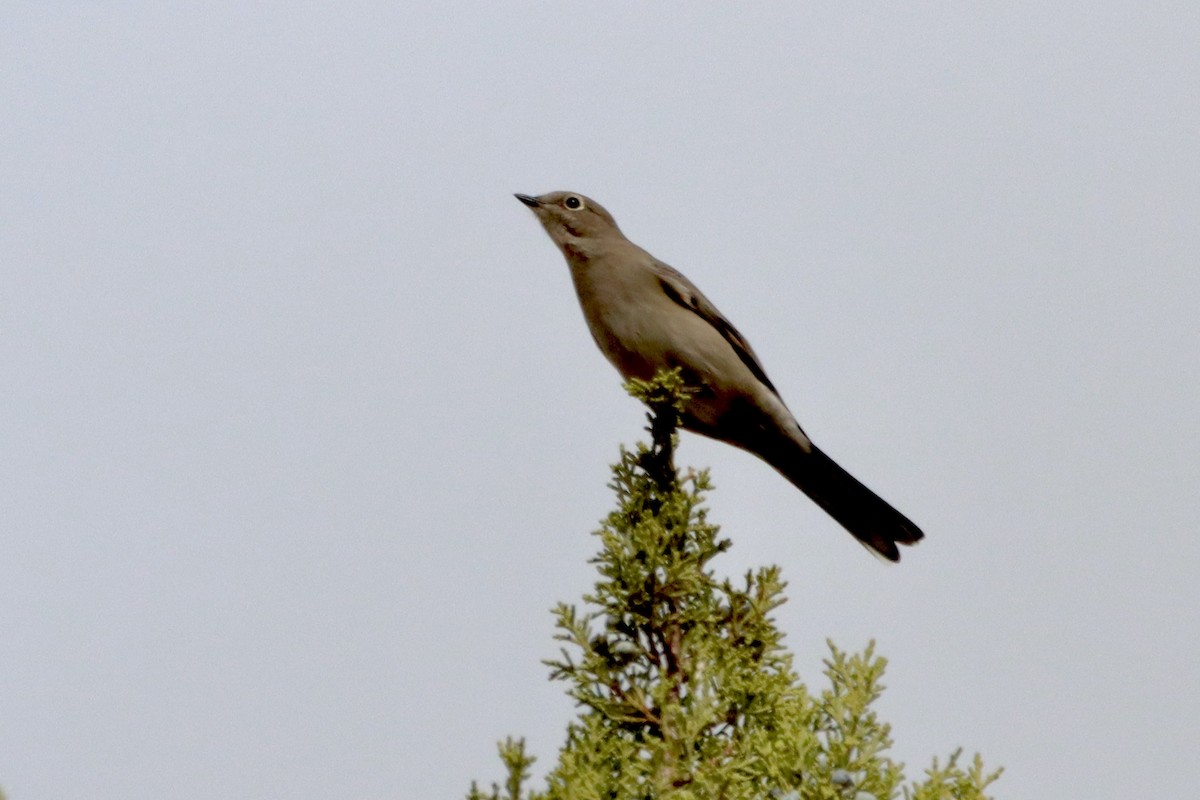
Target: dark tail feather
(859, 510)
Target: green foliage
(952, 782)
(685, 689)
(516, 763)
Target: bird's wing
(685, 293)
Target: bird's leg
(659, 461)
(665, 396)
(662, 432)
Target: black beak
(532, 202)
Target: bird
(645, 317)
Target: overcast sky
(302, 433)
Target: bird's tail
(859, 510)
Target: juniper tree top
(684, 688)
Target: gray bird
(645, 316)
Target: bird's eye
(573, 203)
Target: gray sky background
(302, 433)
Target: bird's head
(572, 220)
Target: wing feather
(685, 293)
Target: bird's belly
(720, 382)
(638, 344)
